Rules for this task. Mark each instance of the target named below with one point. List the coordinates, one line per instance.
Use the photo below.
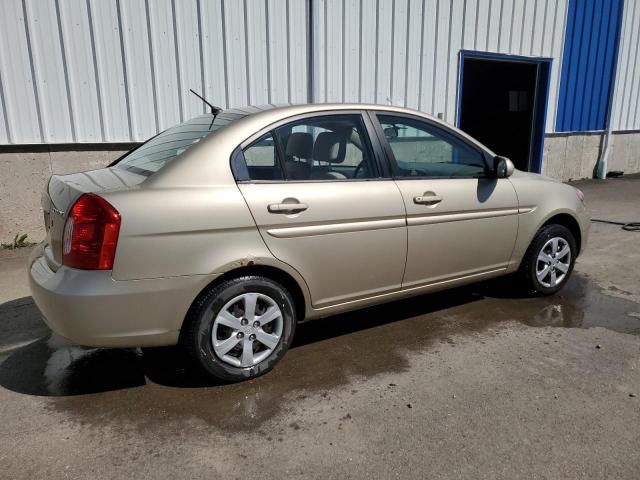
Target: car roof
(272, 113)
(284, 109)
(244, 123)
(255, 117)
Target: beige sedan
(222, 233)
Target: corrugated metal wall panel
(138, 63)
(626, 107)
(19, 91)
(50, 79)
(334, 64)
(593, 29)
(351, 54)
(428, 58)
(413, 82)
(440, 65)
(105, 24)
(4, 127)
(455, 45)
(399, 49)
(79, 60)
(298, 53)
(120, 70)
(409, 49)
(278, 52)
(214, 58)
(257, 52)
(186, 30)
(236, 53)
(165, 72)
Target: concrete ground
(472, 383)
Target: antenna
(214, 110)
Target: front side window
(423, 150)
(331, 147)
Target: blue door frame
(541, 97)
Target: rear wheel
(549, 260)
(241, 328)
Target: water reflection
(326, 353)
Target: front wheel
(549, 260)
(241, 328)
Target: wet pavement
(329, 351)
(476, 382)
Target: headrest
(330, 147)
(299, 144)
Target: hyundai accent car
(222, 233)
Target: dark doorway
(503, 105)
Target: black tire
(529, 263)
(197, 333)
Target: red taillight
(91, 234)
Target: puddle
(140, 390)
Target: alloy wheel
(247, 329)
(553, 262)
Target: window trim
(377, 154)
(393, 163)
(238, 164)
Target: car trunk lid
(62, 192)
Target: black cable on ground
(629, 227)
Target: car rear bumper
(91, 308)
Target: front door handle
(287, 207)
(427, 198)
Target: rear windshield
(156, 152)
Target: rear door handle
(428, 198)
(287, 207)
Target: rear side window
(327, 147)
(158, 151)
(164, 147)
(261, 159)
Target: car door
(314, 187)
(461, 220)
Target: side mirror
(503, 167)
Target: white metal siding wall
(120, 70)
(405, 52)
(626, 109)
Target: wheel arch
(279, 275)
(568, 221)
(558, 217)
